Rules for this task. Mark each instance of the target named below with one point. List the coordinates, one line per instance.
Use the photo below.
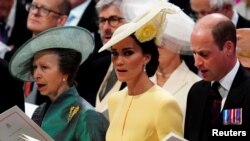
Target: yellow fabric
(146, 117)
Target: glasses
(112, 20)
(43, 11)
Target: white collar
(226, 81)
(78, 11)
(11, 17)
(235, 18)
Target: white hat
(76, 38)
(177, 32)
(146, 26)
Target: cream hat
(243, 46)
(76, 38)
(177, 32)
(147, 26)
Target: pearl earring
(64, 80)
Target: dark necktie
(4, 33)
(215, 99)
(110, 82)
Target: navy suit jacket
(242, 22)
(92, 72)
(196, 127)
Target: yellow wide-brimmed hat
(147, 26)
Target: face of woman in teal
(46, 71)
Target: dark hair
(65, 7)
(224, 31)
(69, 61)
(149, 47)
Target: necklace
(163, 75)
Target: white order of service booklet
(15, 125)
(173, 137)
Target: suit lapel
(197, 115)
(236, 95)
(89, 18)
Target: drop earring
(144, 66)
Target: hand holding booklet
(15, 125)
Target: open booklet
(15, 125)
(173, 137)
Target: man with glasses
(92, 72)
(224, 7)
(110, 18)
(109, 24)
(43, 15)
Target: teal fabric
(85, 125)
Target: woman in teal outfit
(51, 59)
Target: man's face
(5, 7)
(45, 14)
(201, 8)
(110, 18)
(209, 59)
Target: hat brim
(129, 28)
(70, 37)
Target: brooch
(72, 112)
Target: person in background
(52, 60)
(224, 7)
(43, 15)
(220, 102)
(172, 73)
(243, 47)
(93, 70)
(110, 18)
(141, 103)
(13, 30)
(46, 14)
(243, 7)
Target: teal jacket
(71, 118)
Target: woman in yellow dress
(142, 111)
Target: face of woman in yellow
(129, 60)
(46, 72)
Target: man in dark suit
(224, 7)
(11, 89)
(15, 18)
(213, 41)
(92, 72)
